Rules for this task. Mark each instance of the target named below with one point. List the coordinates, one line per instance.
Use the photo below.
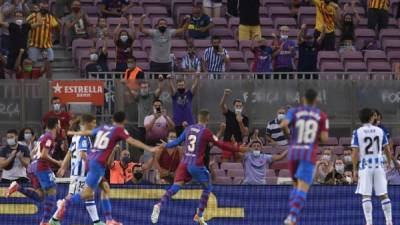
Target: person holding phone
(216, 58)
(157, 124)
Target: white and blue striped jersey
(370, 140)
(79, 144)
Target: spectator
(27, 137)
(308, 50)
(324, 166)
(18, 31)
(59, 113)
(348, 24)
(60, 7)
(378, 14)
(348, 176)
(249, 23)
(98, 59)
(347, 159)
(237, 124)
(392, 174)
(115, 8)
(123, 171)
(336, 177)
(101, 29)
(200, 24)
(160, 56)
(77, 23)
(255, 136)
(262, 57)
(3, 62)
(40, 37)
(26, 70)
(378, 122)
(124, 44)
(157, 124)
(144, 99)
(256, 164)
(191, 62)
(274, 133)
(326, 15)
(133, 73)
(212, 7)
(167, 160)
(14, 159)
(284, 51)
(182, 99)
(216, 57)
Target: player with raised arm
(308, 125)
(368, 143)
(40, 173)
(106, 138)
(196, 138)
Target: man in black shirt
(249, 24)
(98, 60)
(237, 124)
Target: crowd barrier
(228, 205)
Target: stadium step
(65, 73)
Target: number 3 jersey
(370, 140)
(78, 145)
(106, 137)
(306, 124)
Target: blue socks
(49, 203)
(106, 207)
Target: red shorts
(228, 154)
(182, 174)
(34, 181)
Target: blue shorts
(200, 174)
(95, 174)
(46, 179)
(302, 170)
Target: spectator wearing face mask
(308, 50)
(24, 69)
(256, 164)
(200, 24)
(77, 23)
(58, 112)
(14, 160)
(157, 124)
(27, 137)
(237, 124)
(123, 170)
(327, 13)
(133, 73)
(262, 56)
(348, 175)
(216, 58)
(348, 24)
(182, 99)
(124, 44)
(347, 158)
(336, 177)
(115, 8)
(98, 60)
(324, 166)
(167, 160)
(101, 29)
(274, 133)
(160, 60)
(392, 174)
(191, 62)
(284, 51)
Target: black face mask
(216, 47)
(162, 29)
(181, 90)
(138, 175)
(44, 10)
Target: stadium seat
(136, 11)
(331, 141)
(239, 67)
(156, 11)
(308, 21)
(220, 173)
(355, 67)
(345, 141)
(331, 67)
(231, 166)
(272, 180)
(389, 34)
(271, 173)
(233, 23)
(237, 180)
(352, 56)
(273, 3)
(178, 45)
(141, 56)
(267, 32)
(393, 56)
(396, 141)
(144, 66)
(328, 56)
(80, 44)
(182, 11)
(374, 55)
(220, 22)
(338, 150)
(284, 173)
(91, 11)
(236, 56)
(224, 33)
(305, 12)
(236, 173)
(223, 180)
(146, 3)
(229, 44)
(178, 3)
(379, 67)
(391, 45)
(279, 11)
(285, 21)
(263, 11)
(266, 22)
(362, 33)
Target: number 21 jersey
(306, 124)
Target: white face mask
(57, 107)
(256, 153)
(284, 37)
(349, 180)
(94, 57)
(280, 116)
(238, 111)
(11, 141)
(347, 159)
(339, 168)
(326, 157)
(19, 22)
(131, 65)
(124, 38)
(27, 136)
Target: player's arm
(138, 144)
(64, 165)
(224, 146)
(45, 156)
(176, 142)
(80, 133)
(324, 127)
(280, 156)
(355, 154)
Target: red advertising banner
(79, 91)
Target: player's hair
(75, 126)
(158, 100)
(12, 131)
(365, 115)
(237, 100)
(55, 98)
(310, 95)
(180, 81)
(119, 117)
(378, 113)
(203, 115)
(52, 123)
(87, 118)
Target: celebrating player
(106, 138)
(308, 125)
(368, 142)
(40, 174)
(196, 138)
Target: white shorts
(372, 179)
(210, 4)
(76, 184)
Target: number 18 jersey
(370, 140)
(306, 124)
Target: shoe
(289, 221)
(53, 222)
(100, 223)
(14, 186)
(113, 222)
(155, 214)
(199, 220)
(61, 204)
